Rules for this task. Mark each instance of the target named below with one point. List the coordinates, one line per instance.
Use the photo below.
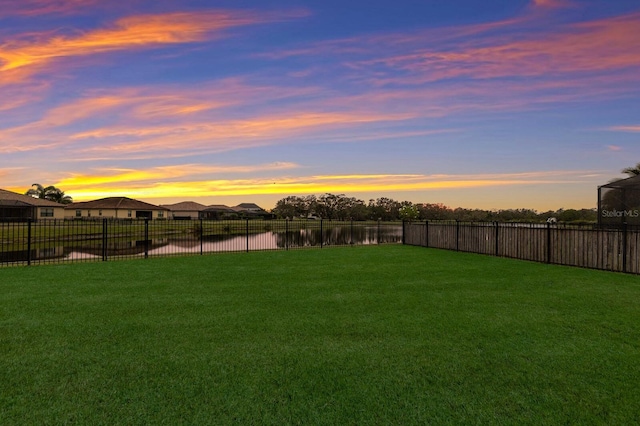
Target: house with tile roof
(115, 208)
(19, 207)
(219, 211)
(186, 210)
(251, 210)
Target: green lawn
(362, 335)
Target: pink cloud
(625, 128)
(552, 4)
(597, 46)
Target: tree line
(341, 207)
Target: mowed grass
(362, 335)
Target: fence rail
(588, 246)
(52, 241)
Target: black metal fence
(588, 246)
(51, 241)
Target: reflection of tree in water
(46, 253)
(337, 236)
(91, 246)
(118, 248)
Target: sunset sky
(471, 103)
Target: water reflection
(192, 244)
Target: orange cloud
(149, 184)
(218, 137)
(21, 57)
(137, 112)
(131, 103)
(127, 33)
(114, 176)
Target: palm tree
(57, 195)
(37, 192)
(632, 171)
(50, 193)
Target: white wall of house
(46, 213)
(184, 213)
(111, 214)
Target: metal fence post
(146, 238)
(321, 234)
(457, 235)
(104, 240)
(426, 233)
(201, 236)
(403, 233)
(247, 235)
(548, 242)
(378, 236)
(624, 247)
(497, 238)
(29, 221)
(286, 234)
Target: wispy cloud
(218, 137)
(32, 8)
(596, 46)
(173, 117)
(552, 4)
(633, 129)
(126, 33)
(164, 182)
(23, 55)
(525, 49)
(164, 173)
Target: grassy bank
(366, 335)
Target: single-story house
(115, 208)
(19, 207)
(251, 210)
(186, 210)
(219, 211)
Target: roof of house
(623, 183)
(185, 206)
(116, 203)
(219, 208)
(247, 206)
(8, 198)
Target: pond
(122, 247)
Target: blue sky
(501, 104)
